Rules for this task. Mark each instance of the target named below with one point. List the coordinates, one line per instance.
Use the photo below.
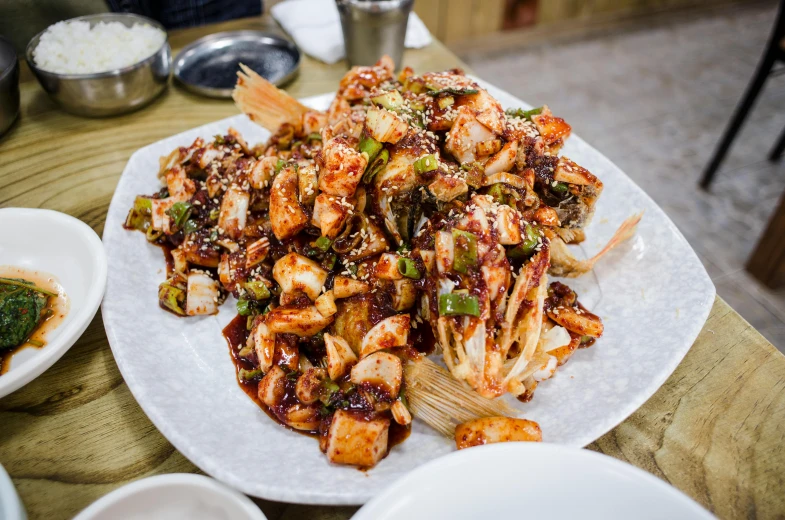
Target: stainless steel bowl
(209, 65)
(9, 85)
(113, 92)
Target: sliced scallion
(465, 255)
(248, 375)
(243, 307)
(529, 244)
(559, 187)
(190, 226)
(323, 243)
(376, 166)
(446, 102)
(457, 91)
(408, 268)
(171, 297)
(426, 163)
(180, 211)
(523, 114)
(459, 304)
(391, 100)
(370, 146)
(257, 290)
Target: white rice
(75, 48)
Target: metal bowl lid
(209, 65)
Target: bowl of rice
(102, 65)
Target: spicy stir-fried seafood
(414, 215)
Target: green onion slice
(465, 255)
(323, 243)
(180, 211)
(426, 163)
(171, 297)
(190, 226)
(523, 114)
(243, 307)
(370, 146)
(560, 187)
(457, 91)
(391, 100)
(529, 244)
(257, 290)
(376, 166)
(459, 304)
(248, 375)
(446, 102)
(408, 268)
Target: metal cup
(373, 28)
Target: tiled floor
(654, 100)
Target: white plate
(530, 480)
(178, 495)
(653, 294)
(11, 507)
(58, 244)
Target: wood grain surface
(715, 429)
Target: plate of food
(375, 277)
(52, 279)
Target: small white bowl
(11, 507)
(58, 244)
(530, 480)
(178, 495)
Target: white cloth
(315, 26)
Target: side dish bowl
(178, 495)
(542, 480)
(55, 243)
(107, 93)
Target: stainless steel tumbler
(373, 28)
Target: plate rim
(523, 450)
(73, 330)
(168, 479)
(272, 491)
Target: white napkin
(315, 26)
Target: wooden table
(715, 430)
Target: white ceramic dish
(61, 245)
(11, 507)
(178, 495)
(530, 480)
(653, 294)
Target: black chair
(775, 52)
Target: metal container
(9, 85)
(209, 65)
(113, 92)
(373, 28)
